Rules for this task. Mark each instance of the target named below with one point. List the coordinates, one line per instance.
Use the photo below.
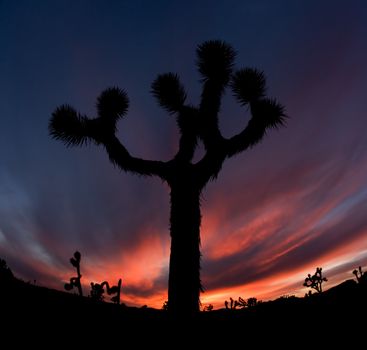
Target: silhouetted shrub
(315, 281)
(75, 281)
(97, 291)
(6, 274)
(230, 305)
(360, 275)
(308, 294)
(252, 302)
(241, 303)
(287, 296)
(209, 307)
(165, 306)
(115, 290)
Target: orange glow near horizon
(139, 269)
(279, 227)
(290, 282)
(148, 260)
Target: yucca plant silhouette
(165, 305)
(97, 291)
(252, 302)
(315, 281)
(186, 179)
(230, 305)
(75, 281)
(208, 308)
(233, 304)
(241, 303)
(360, 275)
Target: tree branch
(119, 156)
(211, 164)
(209, 109)
(248, 137)
(187, 123)
(215, 62)
(75, 129)
(266, 114)
(171, 96)
(169, 92)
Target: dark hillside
(36, 309)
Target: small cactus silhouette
(209, 307)
(97, 291)
(165, 306)
(75, 281)
(360, 275)
(308, 294)
(115, 290)
(315, 281)
(230, 305)
(252, 302)
(241, 303)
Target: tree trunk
(79, 286)
(184, 270)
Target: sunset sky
(295, 202)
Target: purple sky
(296, 201)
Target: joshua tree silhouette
(75, 281)
(241, 303)
(215, 60)
(97, 291)
(360, 275)
(315, 281)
